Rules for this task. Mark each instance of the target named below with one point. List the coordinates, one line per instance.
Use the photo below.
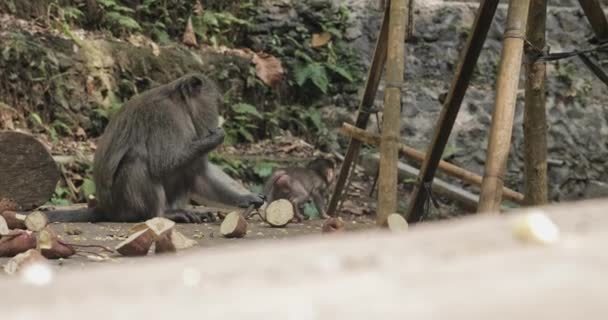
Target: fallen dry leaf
(320, 39)
(189, 38)
(198, 8)
(268, 68)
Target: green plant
(60, 196)
(163, 20)
(450, 150)
(263, 169)
(301, 120)
(233, 167)
(87, 188)
(118, 17)
(310, 210)
(243, 121)
(217, 28)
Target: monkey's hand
(215, 137)
(186, 216)
(255, 200)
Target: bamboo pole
(371, 88)
(504, 108)
(411, 153)
(460, 82)
(596, 17)
(535, 119)
(395, 66)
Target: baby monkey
(299, 185)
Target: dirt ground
(207, 235)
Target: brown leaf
(80, 133)
(320, 39)
(155, 49)
(90, 85)
(189, 37)
(268, 68)
(6, 117)
(198, 8)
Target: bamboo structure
(504, 108)
(492, 187)
(535, 119)
(411, 153)
(395, 67)
(371, 88)
(447, 117)
(597, 19)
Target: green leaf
(318, 76)
(107, 3)
(72, 12)
(245, 108)
(315, 72)
(340, 71)
(310, 210)
(301, 75)
(35, 118)
(58, 124)
(246, 134)
(301, 54)
(315, 117)
(264, 169)
(161, 36)
(119, 8)
(449, 151)
(88, 187)
(59, 202)
(210, 19)
(122, 20)
(61, 191)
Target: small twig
(71, 187)
(248, 211)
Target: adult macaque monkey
(153, 156)
(299, 185)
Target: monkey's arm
(163, 162)
(214, 186)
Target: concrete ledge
(471, 268)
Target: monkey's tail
(75, 215)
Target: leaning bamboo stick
(596, 17)
(535, 119)
(504, 108)
(395, 67)
(451, 107)
(409, 152)
(369, 94)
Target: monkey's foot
(297, 218)
(185, 216)
(324, 216)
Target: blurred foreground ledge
(470, 268)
